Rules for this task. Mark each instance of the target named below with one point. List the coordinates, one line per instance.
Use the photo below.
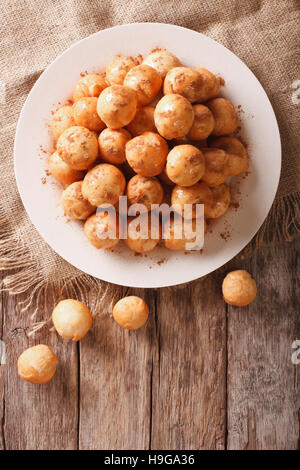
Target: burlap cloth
(265, 34)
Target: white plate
(255, 193)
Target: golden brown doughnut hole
(74, 204)
(239, 288)
(85, 114)
(145, 81)
(103, 184)
(203, 124)
(147, 154)
(117, 106)
(37, 364)
(102, 230)
(112, 144)
(144, 190)
(72, 319)
(89, 85)
(78, 147)
(185, 165)
(62, 119)
(63, 172)
(224, 115)
(131, 312)
(173, 116)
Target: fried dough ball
(182, 237)
(85, 114)
(131, 312)
(37, 364)
(117, 69)
(63, 172)
(102, 229)
(203, 124)
(239, 288)
(89, 85)
(185, 165)
(147, 154)
(112, 144)
(238, 158)
(62, 119)
(78, 147)
(72, 319)
(145, 81)
(103, 184)
(162, 61)
(117, 106)
(139, 237)
(220, 203)
(143, 190)
(210, 87)
(199, 193)
(74, 204)
(224, 114)
(183, 81)
(143, 121)
(173, 116)
(215, 166)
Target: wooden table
(200, 375)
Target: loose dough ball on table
(131, 312)
(173, 116)
(78, 147)
(74, 204)
(85, 114)
(162, 61)
(210, 87)
(112, 144)
(102, 229)
(117, 69)
(203, 124)
(103, 184)
(63, 172)
(72, 319)
(145, 81)
(239, 288)
(147, 154)
(199, 193)
(143, 121)
(185, 165)
(224, 114)
(143, 190)
(117, 106)
(37, 364)
(183, 81)
(237, 154)
(220, 203)
(89, 85)
(215, 166)
(62, 119)
(140, 237)
(180, 236)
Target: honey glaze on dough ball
(102, 229)
(138, 239)
(62, 119)
(112, 144)
(103, 184)
(74, 204)
(162, 61)
(238, 158)
(117, 106)
(215, 166)
(143, 190)
(220, 203)
(37, 364)
(203, 124)
(186, 233)
(239, 288)
(143, 121)
(72, 319)
(173, 116)
(146, 81)
(89, 85)
(117, 69)
(147, 154)
(224, 114)
(131, 312)
(85, 114)
(185, 165)
(63, 172)
(184, 81)
(78, 147)
(211, 85)
(199, 193)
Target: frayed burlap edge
(23, 275)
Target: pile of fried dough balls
(140, 129)
(73, 319)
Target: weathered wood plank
(37, 416)
(263, 384)
(115, 380)
(189, 379)
(2, 402)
